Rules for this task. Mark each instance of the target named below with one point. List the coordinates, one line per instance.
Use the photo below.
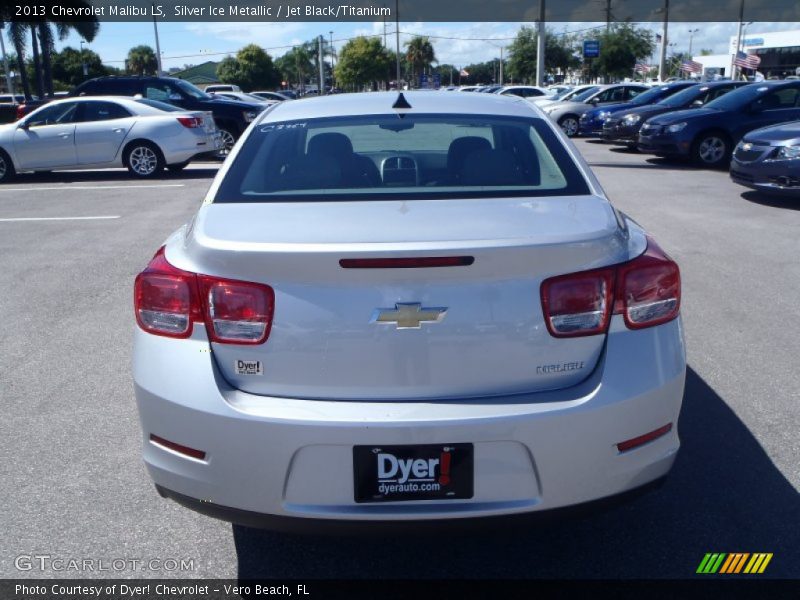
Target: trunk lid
(324, 342)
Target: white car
(523, 91)
(145, 136)
(563, 96)
(271, 96)
(242, 97)
(222, 87)
(406, 307)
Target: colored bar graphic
(734, 563)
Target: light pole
(9, 81)
(397, 38)
(540, 29)
(691, 36)
(83, 61)
(333, 61)
(663, 64)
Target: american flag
(691, 66)
(746, 61)
(641, 68)
(463, 73)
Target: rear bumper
(278, 457)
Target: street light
(691, 36)
(83, 61)
(333, 62)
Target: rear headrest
(331, 144)
(491, 168)
(461, 147)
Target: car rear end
(409, 350)
(181, 135)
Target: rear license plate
(398, 473)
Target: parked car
(468, 88)
(591, 122)
(768, 160)
(222, 87)
(272, 96)
(523, 91)
(568, 114)
(623, 127)
(106, 131)
(242, 97)
(564, 96)
(231, 118)
(708, 135)
(9, 99)
(315, 346)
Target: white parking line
(91, 187)
(14, 219)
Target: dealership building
(779, 52)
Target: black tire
(177, 167)
(229, 138)
(7, 172)
(143, 159)
(569, 125)
(712, 149)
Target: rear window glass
(386, 157)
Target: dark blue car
(591, 122)
(708, 135)
(768, 160)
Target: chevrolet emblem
(408, 315)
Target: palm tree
(17, 33)
(141, 60)
(419, 54)
(86, 29)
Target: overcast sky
(193, 43)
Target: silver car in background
(145, 136)
(406, 308)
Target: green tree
(363, 61)
(141, 60)
(479, 73)
(706, 52)
(68, 66)
(420, 55)
(522, 55)
(621, 47)
(295, 65)
(251, 69)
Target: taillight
(168, 300)
(646, 291)
(191, 122)
(578, 304)
(237, 312)
(20, 111)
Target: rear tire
(712, 150)
(7, 171)
(143, 159)
(569, 125)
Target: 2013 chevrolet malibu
(406, 308)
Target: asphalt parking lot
(74, 485)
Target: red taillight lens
(168, 300)
(646, 291)
(238, 312)
(165, 299)
(20, 111)
(191, 122)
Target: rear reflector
(406, 263)
(185, 450)
(643, 439)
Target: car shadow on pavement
(723, 495)
(665, 164)
(107, 176)
(774, 201)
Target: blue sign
(591, 48)
(423, 80)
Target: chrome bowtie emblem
(408, 315)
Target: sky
(193, 43)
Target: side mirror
(24, 125)
(696, 104)
(595, 100)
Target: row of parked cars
(753, 127)
(146, 124)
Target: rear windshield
(381, 157)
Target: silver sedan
(406, 307)
(143, 135)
